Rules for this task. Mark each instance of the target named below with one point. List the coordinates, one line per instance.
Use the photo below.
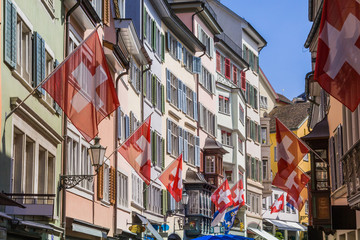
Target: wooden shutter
(197, 151)
(145, 195)
(211, 47)
(163, 153)
(153, 31)
(112, 185)
(201, 115)
(235, 75)
(132, 127)
(333, 163)
(119, 123)
(38, 61)
(153, 148)
(243, 80)
(144, 22)
(154, 88)
(255, 99)
(227, 68)
(168, 40)
(179, 51)
(218, 62)
(199, 29)
(179, 95)
(164, 202)
(195, 106)
(168, 136)
(10, 33)
(168, 85)
(106, 12)
(162, 47)
(185, 156)
(181, 141)
(162, 99)
(100, 182)
(144, 83)
(127, 127)
(184, 99)
(259, 133)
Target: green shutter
(259, 134)
(153, 149)
(162, 99)
(10, 33)
(153, 28)
(145, 193)
(144, 22)
(153, 85)
(163, 153)
(162, 47)
(39, 61)
(164, 201)
(144, 83)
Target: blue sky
(284, 25)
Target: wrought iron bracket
(70, 181)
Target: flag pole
(306, 145)
(45, 79)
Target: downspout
(64, 153)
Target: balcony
(36, 205)
(351, 170)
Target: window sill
(136, 205)
(174, 114)
(105, 203)
(158, 169)
(30, 89)
(125, 209)
(148, 102)
(154, 213)
(229, 146)
(224, 113)
(81, 192)
(157, 56)
(206, 90)
(190, 164)
(158, 111)
(147, 44)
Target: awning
(6, 201)
(149, 227)
(262, 233)
(4, 215)
(297, 225)
(88, 230)
(285, 225)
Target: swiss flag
(290, 150)
(136, 151)
(295, 202)
(337, 67)
(222, 197)
(278, 205)
(292, 184)
(171, 177)
(237, 193)
(83, 87)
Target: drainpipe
(197, 12)
(64, 152)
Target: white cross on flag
(337, 67)
(237, 192)
(136, 151)
(222, 197)
(83, 87)
(278, 205)
(171, 177)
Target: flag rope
(50, 75)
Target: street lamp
(185, 199)
(97, 155)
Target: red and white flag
(290, 150)
(83, 87)
(278, 205)
(298, 203)
(222, 197)
(293, 184)
(337, 68)
(237, 193)
(171, 177)
(136, 151)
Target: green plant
(279, 235)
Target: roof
(282, 98)
(297, 111)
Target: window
(23, 59)
(157, 149)
(263, 102)
(25, 159)
(137, 190)
(190, 102)
(206, 40)
(224, 104)
(226, 138)
(207, 80)
(264, 203)
(49, 67)
(173, 135)
(190, 150)
(106, 188)
(122, 190)
(241, 114)
(210, 164)
(253, 130)
(174, 89)
(235, 75)
(153, 199)
(207, 120)
(254, 202)
(121, 8)
(265, 169)
(250, 57)
(187, 60)
(194, 202)
(228, 175)
(263, 135)
(241, 145)
(135, 77)
(275, 154)
(97, 5)
(254, 169)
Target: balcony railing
(36, 204)
(351, 170)
(227, 40)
